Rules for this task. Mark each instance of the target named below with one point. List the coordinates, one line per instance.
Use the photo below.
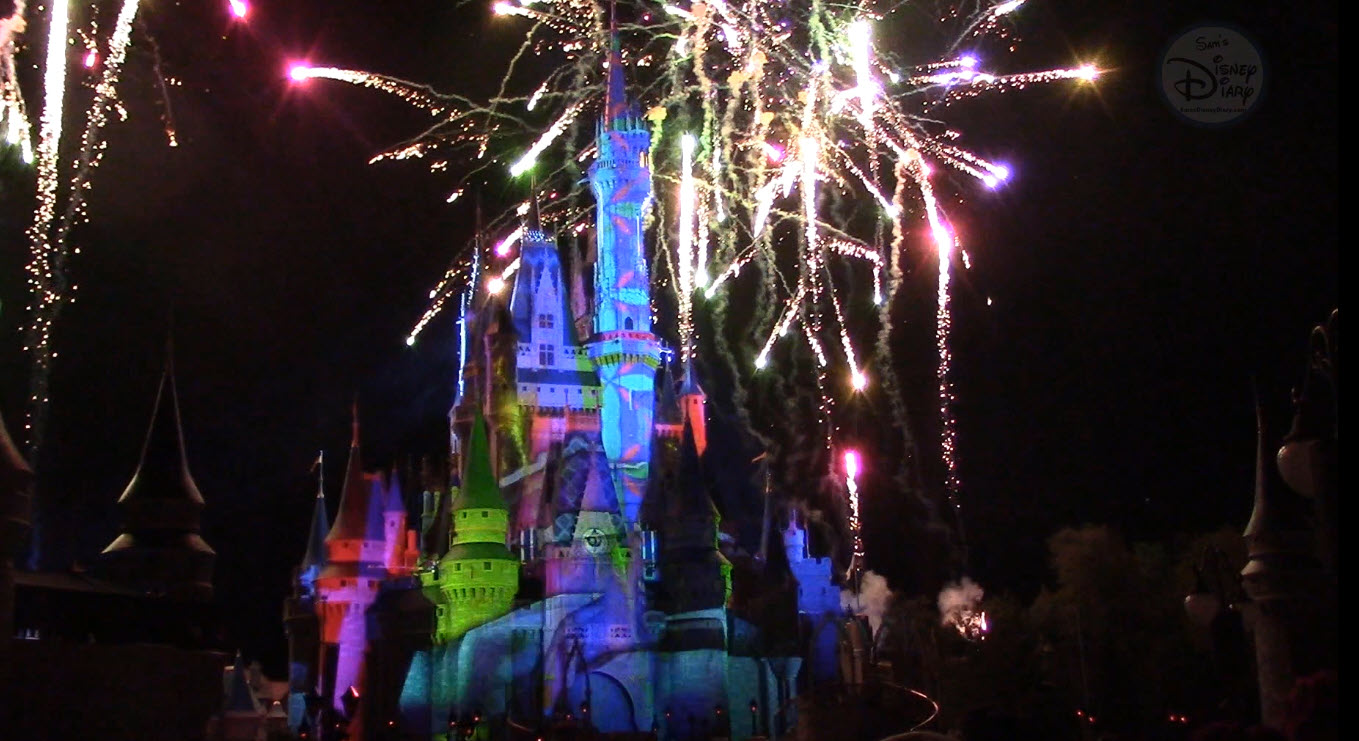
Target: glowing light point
(503, 8)
(503, 247)
(852, 464)
(761, 361)
(239, 9)
(990, 181)
(968, 62)
(1087, 72)
(858, 380)
(299, 72)
(91, 59)
(410, 340)
(522, 165)
(1002, 172)
(495, 285)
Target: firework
(851, 462)
(782, 114)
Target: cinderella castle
(572, 575)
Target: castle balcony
(622, 347)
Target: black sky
(1142, 272)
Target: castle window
(484, 513)
(546, 355)
(486, 565)
(457, 567)
(545, 321)
(627, 323)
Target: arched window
(627, 323)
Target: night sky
(1142, 271)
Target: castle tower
(817, 591)
(818, 604)
(394, 527)
(558, 390)
(300, 620)
(159, 549)
(696, 575)
(695, 587)
(477, 578)
(348, 583)
(624, 350)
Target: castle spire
(615, 94)
(320, 522)
(352, 518)
(480, 490)
(159, 548)
(623, 349)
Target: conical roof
(163, 472)
(316, 537)
(480, 490)
(352, 518)
(667, 403)
(616, 104)
(689, 386)
(600, 493)
(159, 549)
(690, 497)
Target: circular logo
(1212, 75)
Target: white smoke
(872, 600)
(960, 607)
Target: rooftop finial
(535, 221)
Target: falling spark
(503, 247)
(558, 127)
(43, 279)
(688, 259)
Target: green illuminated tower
(475, 582)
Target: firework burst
(767, 118)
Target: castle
(573, 574)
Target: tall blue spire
(623, 349)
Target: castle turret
(348, 583)
(398, 557)
(159, 549)
(315, 556)
(693, 406)
(477, 578)
(623, 348)
(695, 587)
(695, 573)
